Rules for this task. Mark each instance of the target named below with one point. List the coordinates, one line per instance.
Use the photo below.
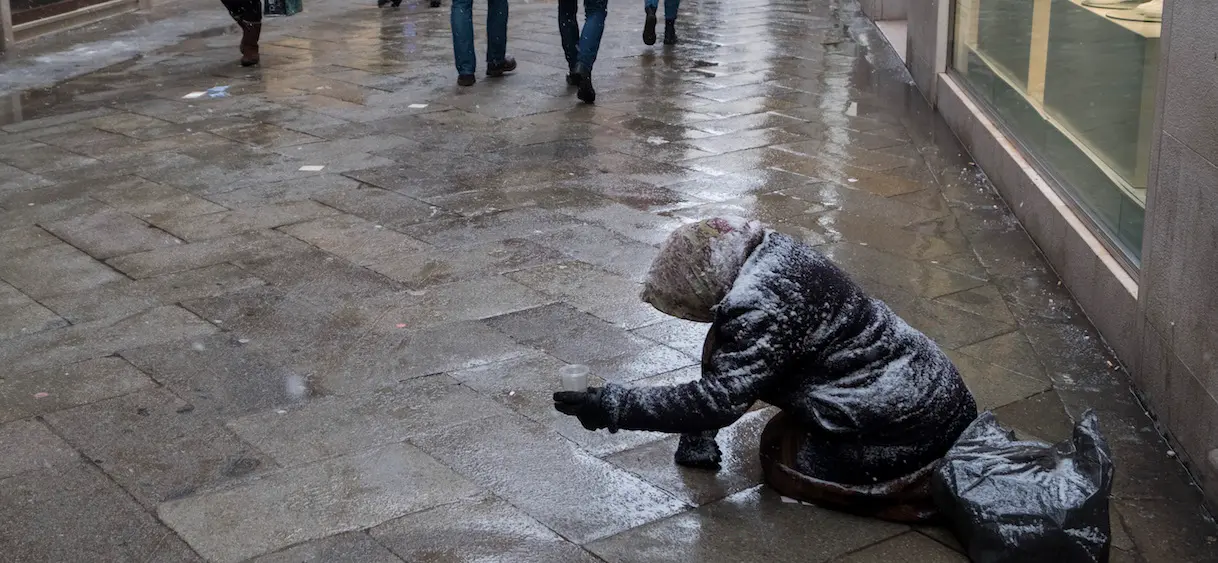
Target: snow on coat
(878, 398)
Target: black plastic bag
(1009, 500)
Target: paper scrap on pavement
(417, 106)
(312, 168)
(194, 95)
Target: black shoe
(698, 452)
(497, 69)
(382, 3)
(466, 80)
(586, 92)
(670, 32)
(396, 3)
(573, 78)
(434, 3)
(649, 27)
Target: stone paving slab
(19, 314)
(741, 465)
(126, 297)
(311, 502)
(754, 522)
(212, 355)
(44, 511)
(58, 388)
(351, 547)
(31, 446)
(573, 493)
(484, 529)
(93, 340)
(332, 426)
(157, 446)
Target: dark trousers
(461, 18)
(579, 48)
(244, 11)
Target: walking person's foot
(250, 33)
(497, 69)
(434, 3)
(382, 3)
(649, 27)
(466, 80)
(586, 92)
(573, 78)
(397, 3)
(670, 32)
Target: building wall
(884, 9)
(922, 53)
(1178, 301)
(1163, 323)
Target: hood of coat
(698, 264)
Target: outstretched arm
(739, 366)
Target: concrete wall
(1178, 304)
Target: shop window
(27, 11)
(1073, 82)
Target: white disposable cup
(574, 377)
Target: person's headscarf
(698, 265)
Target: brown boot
(249, 43)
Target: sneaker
(670, 32)
(466, 80)
(573, 78)
(497, 69)
(649, 27)
(434, 3)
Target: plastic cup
(574, 377)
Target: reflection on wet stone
(206, 345)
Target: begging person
(867, 403)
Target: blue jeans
(670, 7)
(581, 49)
(462, 18)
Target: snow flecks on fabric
(697, 265)
(879, 398)
(1012, 500)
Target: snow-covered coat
(877, 398)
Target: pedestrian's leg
(461, 17)
(497, 61)
(589, 44)
(568, 32)
(649, 22)
(248, 15)
(670, 21)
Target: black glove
(584, 405)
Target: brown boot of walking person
(248, 15)
(249, 43)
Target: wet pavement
(214, 352)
